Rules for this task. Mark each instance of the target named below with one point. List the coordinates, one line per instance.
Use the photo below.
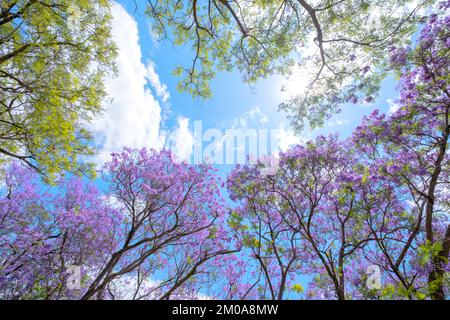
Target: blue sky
(146, 110)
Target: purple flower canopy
(335, 212)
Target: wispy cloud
(153, 78)
(392, 106)
(338, 122)
(254, 117)
(287, 138)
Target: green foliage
(428, 251)
(235, 221)
(391, 291)
(298, 288)
(340, 46)
(251, 242)
(53, 58)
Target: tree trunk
(436, 275)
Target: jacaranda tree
(379, 198)
(173, 224)
(312, 200)
(412, 143)
(45, 231)
(159, 232)
(365, 217)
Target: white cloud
(392, 106)
(249, 120)
(133, 116)
(253, 117)
(281, 138)
(125, 287)
(337, 122)
(153, 78)
(181, 140)
(288, 138)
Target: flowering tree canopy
(43, 232)
(411, 144)
(158, 217)
(173, 220)
(340, 45)
(330, 215)
(378, 198)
